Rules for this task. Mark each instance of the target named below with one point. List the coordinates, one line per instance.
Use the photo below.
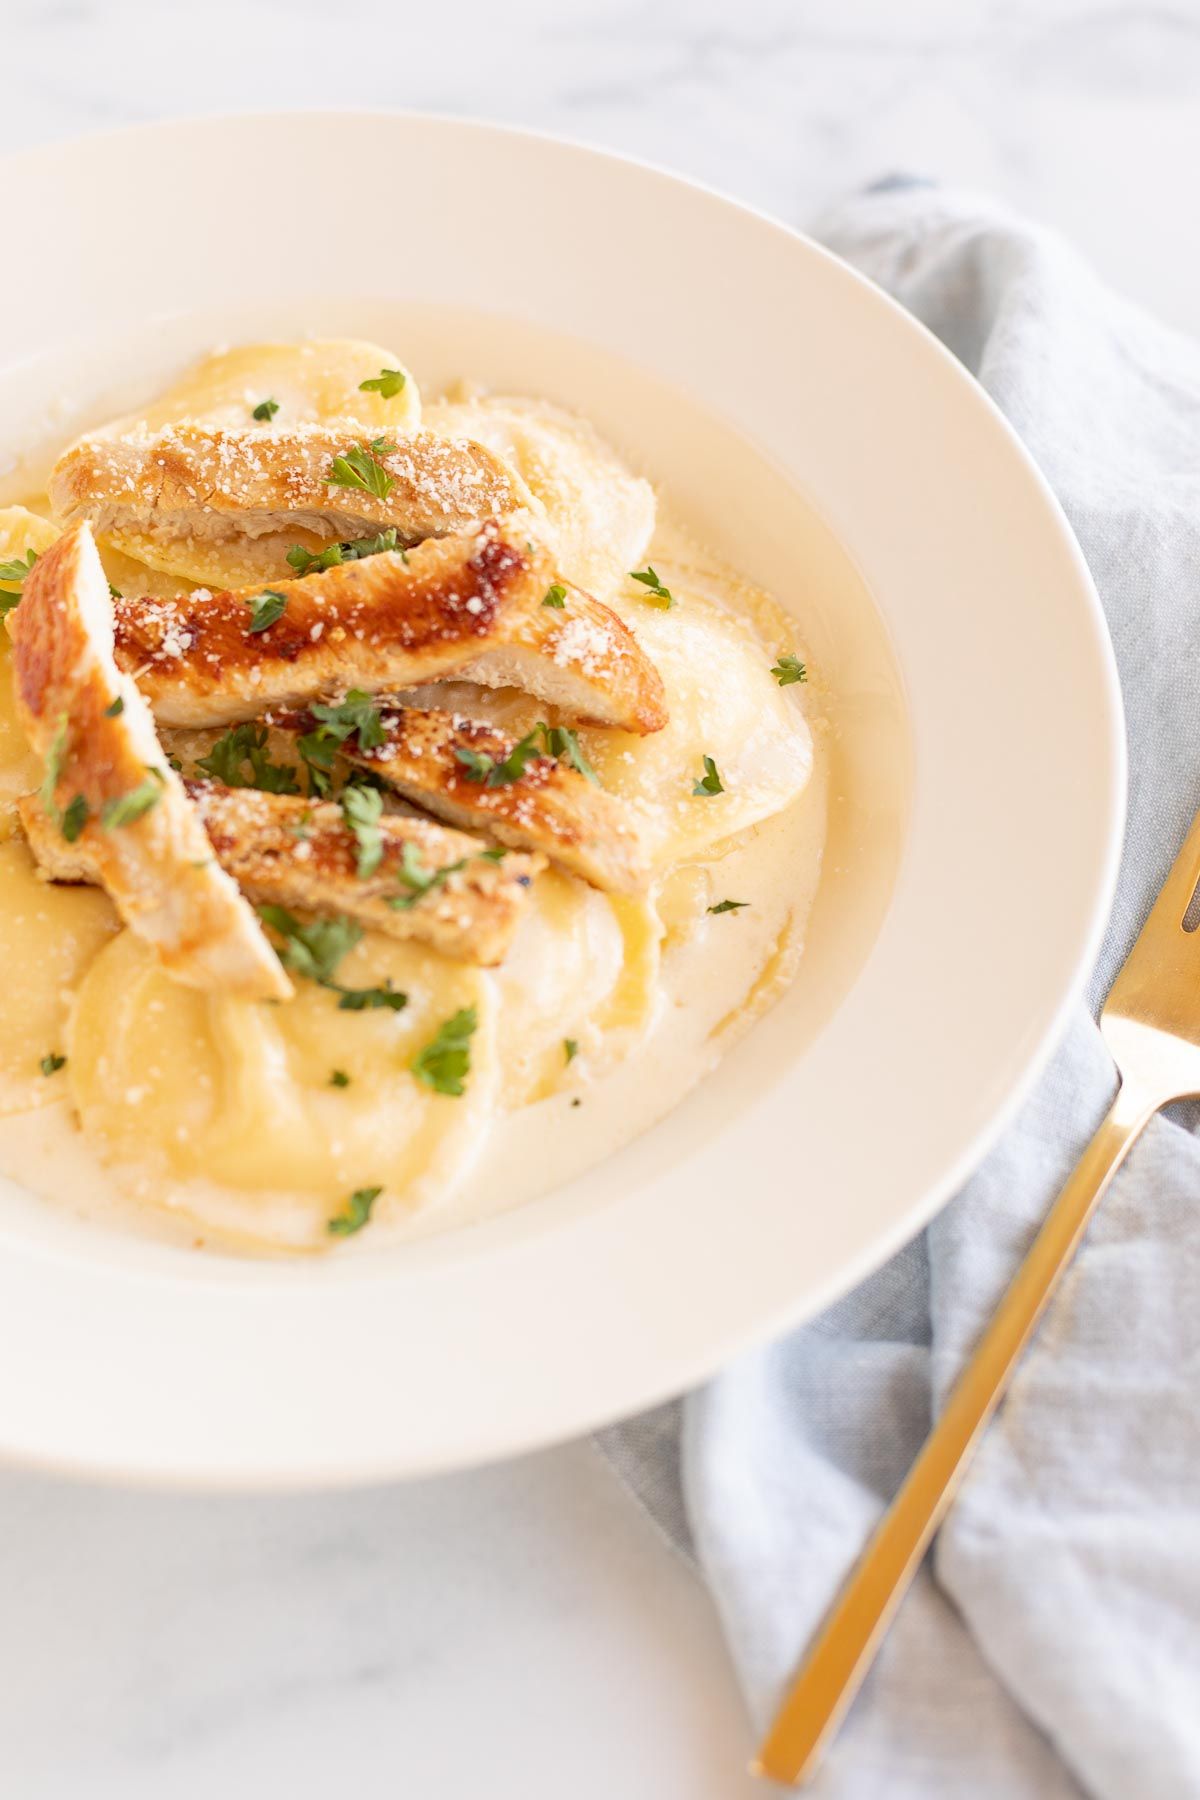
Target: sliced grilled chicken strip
(364, 624)
(473, 602)
(203, 482)
(109, 786)
(429, 756)
(580, 657)
(288, 852)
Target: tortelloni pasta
(286, 1125)
(262, 387)
(51, 936)
(257, 1120)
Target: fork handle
(853, 1629)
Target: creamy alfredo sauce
(215, 1122)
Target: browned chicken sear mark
(426, 755)
(384, 622)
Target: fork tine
(1175, 895)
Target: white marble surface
(520, 1631)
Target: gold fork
(1151, 1024)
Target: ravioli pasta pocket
(376, 776)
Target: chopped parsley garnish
(134, 805)
(319, 754)
(15, 570)
(265, 410)
(387, 384)
(116, 709)
(55, 757)
(240, 759)
(362, 809)
(313, 562)
(656, 594)
(525, 751)
(266, 609)
(419, 878)
(114, 593)
(372, 999)
(74, 818)
(339, 1078)
(710, 783)
(477, 763)
(314, 952)
(789, 669)
(548, 740)
(556, 596)
(496, 854)
(563, 745)
(371, 546)
(728, 906)
(445, 1061)
(319, 748)
(360, 467)
(570, 1049)
(356, 1212)
(356, 713)
(50, 1065)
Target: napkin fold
(1051, 1644)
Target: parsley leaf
(319, 754)
(564, 746)
(419, 878)
(116, 709)
(445, 1061)
(710, 783)
(523, 752)
(313, 950)
(724, 906)
(356, 1212)
(265, 410)
(339, 1078)
(360, 467)
(789, 669)
(16, 570)
(266, 609)
(371, 546)
(550, 740)
(128, 808)
(313, 562)
(356, 713)
(362, 809)
(114, 593)
(246, 745)
(387, 384)
(556, 596)
(75, 818)
(570, 1049)
(656, 594)
(50, 1065)
(477, 763)
(55, 757)
(370, 999)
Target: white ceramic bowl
(798, 1168)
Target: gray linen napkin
(1052, 1647)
